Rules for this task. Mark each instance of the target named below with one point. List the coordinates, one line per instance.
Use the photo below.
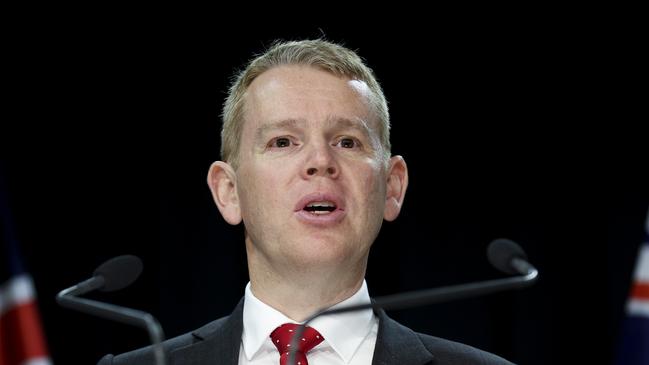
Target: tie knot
(283, 335)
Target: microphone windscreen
(119, 272)
(502, 251)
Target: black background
(521, 128)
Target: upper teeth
(321, 204)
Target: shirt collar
(343, 332)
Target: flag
(21, 336)
(634, 347)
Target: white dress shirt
(349, 338)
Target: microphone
(115, 274)
(503, 254)
(508, 257)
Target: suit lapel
(216, 343)
(396, 344)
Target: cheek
(371, 188)
(259, 191)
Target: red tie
(282, 337)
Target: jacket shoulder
(451, 352)
(398, 344)
(144, 356)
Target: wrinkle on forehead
(305, 80)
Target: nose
(321, 162)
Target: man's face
(311, 180)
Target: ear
(222, 181)
(397, 182)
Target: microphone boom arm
(425, 297)
(117, 313)
(447, 293)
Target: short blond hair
(324, 55)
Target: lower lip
(322, 220)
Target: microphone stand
(69, 298)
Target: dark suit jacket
(218, 343)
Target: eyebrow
(357, 124)
(282, 124)
(345, 123)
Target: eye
(348, 143)
(280, 142)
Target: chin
(326, 255)
(323, 256)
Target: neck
(298, 292)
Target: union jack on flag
(634, 347)
(21, 336)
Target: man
(307, 169)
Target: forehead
(306, 93)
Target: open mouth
(321, 207)
(322, 210)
